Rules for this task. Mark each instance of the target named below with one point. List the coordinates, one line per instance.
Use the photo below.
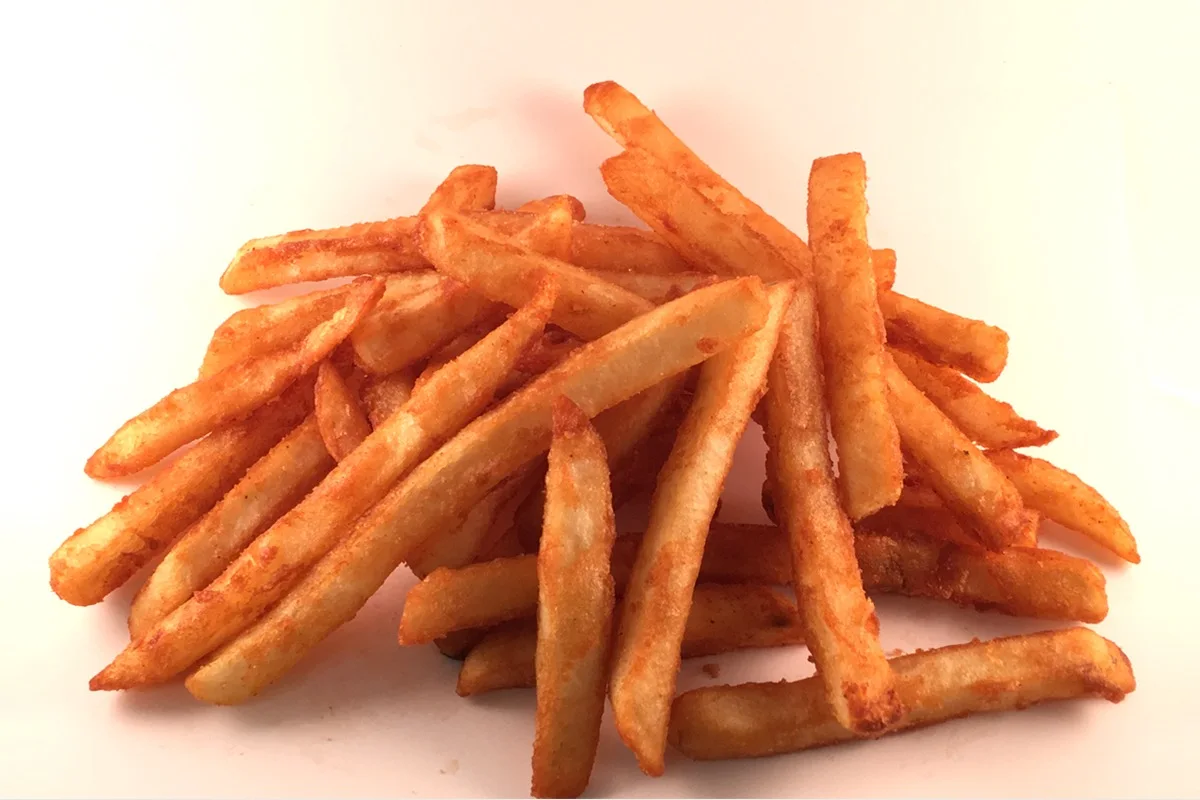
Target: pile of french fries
(492, 383)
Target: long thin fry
(442, 489)
(277, 559)
(968, 345)
(870, 468)
(574, 204)
(618, 247)
(839, 621)
(760, 719)
(575, 603)
(646, 654)
(971, 485)
(194, 410)
(97, 559)
(342, 423)
(1064, 498)
(275, 483)
(658, 289)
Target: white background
(1034, 164)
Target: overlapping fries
(493, 383)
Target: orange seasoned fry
(382, 395)
(619, 247)
(573, 204)
(761, 719)
(549, 232)
(341, 421)
(275, 483)
(971, 486)
(934, 522)
(97, 559)
(658, 289)
(1064, 498)
(474, 596)
(988, 421)
(277, 559)
(469, 187)
(646, 654)
(194, 410)
(575, 603)
(883, 262)
(969, 346)
(839, 620)
(870, 468)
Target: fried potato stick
(469, 187)
(340, 420)
(658, 289)
(383, 395)
(619, 247)
(573, 204)
(968, 345)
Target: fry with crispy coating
(988, 421)
(198, 408)
(503, 271)
(883, 263)
(839, 620)
(441, 490)
(97, 559)
(1064, 498)
(658, 289)
(469, 187)
(620, 247)
(870, 468)
(572, 204)
(273, 485)
(383, 395)
(575, 603)
(474, 596)
(278, 558)
(341, 421)
(654, 615)
(933, 522)
(970, 485)
(968, 345)
(549, 232)
(761, 719)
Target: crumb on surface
(711, 670)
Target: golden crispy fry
(870, 468)
(450, 351)
(403, 333)
(988, 421)
(690, 222)
(839, 621)
(101, 557)
(933, 522)
(574, 204)
(760, 719)
(275, 483)
(384, 395)
(441, 490)
(969, 346)
(459, 644)
(341, 421)
(1064, 498)
(883, 263)
(721, 619)
(746, 554)
(496, 591)
(198, 408)
(549, 233)
(502, 271)
(646, 654)
(623, 117)
(619, 247)
(469, 187)
(278, 558)
(970, 485)
(575, 603)
(545, 354)
(658, 289)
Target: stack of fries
(491, 384)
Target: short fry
(573, 204)
(469, 187)
(474, 596)
(341, 421)
(619, 247)
(383, 395)
(549, 232)
(761, 719)
(969, 346)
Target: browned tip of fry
(597, 91)
(569, 418)
(571, 203)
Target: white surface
(1033, 164)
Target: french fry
(450, 351)
(277, 559)
(760, 719)
(474, 596)
(368, 248)
(97, 559)
(587, 307)
(383, 395)
(722, 619)
(619, 247)
(870, 468)
(1063, 497)
(839, 620)
(654, 615)
(273, 485)
(340, 420)
(194, 410)
(549, 233)
(883, 262)
(575, 603)
(658, 289)
(735, 553)
(545, 354)
(988, 421)
(969, 346)
(970, 485)
(441, 490)
(578, 212)
(933, 522)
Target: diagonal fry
(760, 719)
(549, 232)
(273, 485)
(971, 486)
(934, 523)
(658, 289)
(1061, 496)
(573, 204)
(194, 410)
(839, 621)
(97, 559)
(277, 559)
(342, 423)
(619, 247)
(646, 654)
(469, 187)
(575, 603)
(969, 346)
(500, 270)
(441, 490)
(870, 468)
